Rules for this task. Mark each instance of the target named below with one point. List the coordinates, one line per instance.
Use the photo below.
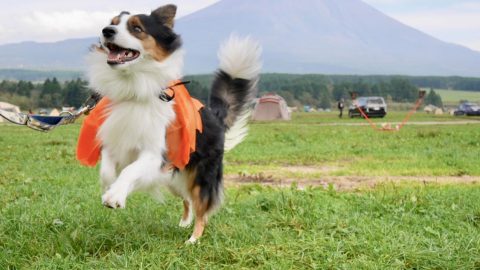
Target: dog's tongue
(117, 56)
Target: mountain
(302, 36)
(68, 54)
(323, 36)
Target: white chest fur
(135, 127)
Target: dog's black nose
(109, 32)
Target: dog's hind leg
(206, 194)
(200, 206)
(141, 174)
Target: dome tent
(271, 107)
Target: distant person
(341, 105)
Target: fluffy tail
(234, 87)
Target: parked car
(371, 106)
(468, 108)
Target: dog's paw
(114, 199)
(191, 241)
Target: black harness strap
(165, 97)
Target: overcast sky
(456, 21)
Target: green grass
(61, 225)
(453, 97)
(51, 216)
(358, 150)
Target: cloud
(58, 20)
(52, 25)
(58, 24)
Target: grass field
(51, 216)
(452, 97)
(358, 150)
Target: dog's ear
(165, 14)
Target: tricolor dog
(138, 59)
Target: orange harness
(181, 133)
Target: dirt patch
(275, 176)
(309, 169)
(294, 170)
(347, 183)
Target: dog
(135, 62)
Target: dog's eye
(137, 29)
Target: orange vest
(181, 133)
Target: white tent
(430, 108)
(8, 107)
(54, 112)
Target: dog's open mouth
(118, 55)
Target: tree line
(452, 82)
(49, 94)
(323, 92)
(313, 90)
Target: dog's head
(130, 39)
(138, 56)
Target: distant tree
(434, 99)
(341, 90)
(363, 88)
(34, 99)
(51, 87)
(75, 93)
(288, 96)
(319, 89)
(307, 99)
(325, 101)
(51, 94)
(24, 88)
(198, 91)
(402, 90)
(8, 87)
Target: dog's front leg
(138, 175)
(108, 170)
